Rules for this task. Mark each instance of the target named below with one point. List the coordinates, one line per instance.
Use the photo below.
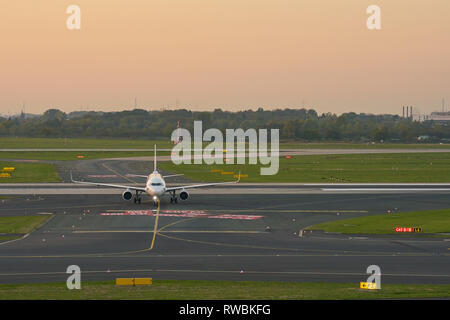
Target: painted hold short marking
(183, 214)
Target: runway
(220, 236)
(239, 189)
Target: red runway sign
(409, 229)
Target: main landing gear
(173, 197)
(137, 197)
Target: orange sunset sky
(233, 54)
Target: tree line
(294, 124)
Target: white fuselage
(155, 186)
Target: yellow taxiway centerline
(156, 225)
(114, 171)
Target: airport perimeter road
(220, 236)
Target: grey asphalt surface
(215, 242)
(218, 234)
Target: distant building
(423, 138)
(21, 115)
(434, 116)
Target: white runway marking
(229, 271)
(384, 189)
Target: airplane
(155, 186)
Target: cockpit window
(155, 184)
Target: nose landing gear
(155, 201)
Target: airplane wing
(136, 175)
(173, 175)
(203, 185)
(108, 185)
(143, 176)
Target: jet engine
(127, 195)
(184, 195)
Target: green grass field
(14, 227)
(219, 290)
(90, 143)
(7, 238)
(431, 221)
(76, 143)
(370, 168)
(21, 224)
(411, 167)
(74, 155)
(30, 172)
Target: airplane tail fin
(154, 160)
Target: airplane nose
(155, 191)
